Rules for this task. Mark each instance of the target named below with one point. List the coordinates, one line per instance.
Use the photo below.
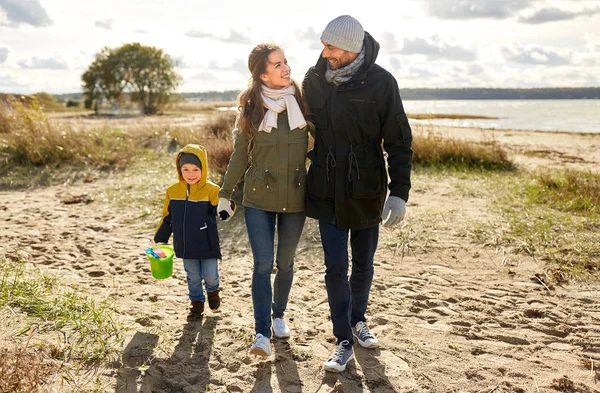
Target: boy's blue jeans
(348, 298)
(198, 270)
(261, 232)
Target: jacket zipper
(187, 195)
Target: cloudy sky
(45, 45)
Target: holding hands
(225, 209)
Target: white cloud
(241, 67)
(388, 41)
(28, 12)
(544, 15)
(235, 37)
(43, 63)
(462, 43)
(536, 55)
(309, 37)
(204, 76)
(9, 84)
(422, 73)
(474, 69)
(4, 52)
(308, 34)
(198, 34)
(435, 48)
(395, 63)
(104, 24)
(468, 9)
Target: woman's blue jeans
(198, 270)
(261, 232)
(348, 299)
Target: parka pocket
(296, 188)
(258, 187)
(365, 111)
(320, 179)
(203, 236)
(402, 121)
(317, 183)
(369, 182)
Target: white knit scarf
(276, 101)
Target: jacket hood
(371, 52)
(198, 151)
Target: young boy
(190, 213)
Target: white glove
(395, 208)
(224, 209)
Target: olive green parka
(273, 165)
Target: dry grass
(556, 225)
(221, 124)
(34, 149)
(568, 190)
(29, 138)
(434, 151)
(23, 371)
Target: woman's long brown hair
(250, 103)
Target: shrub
(222, 124)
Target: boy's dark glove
(225, 209)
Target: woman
(271, 136)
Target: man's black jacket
(347, 180)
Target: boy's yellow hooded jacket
(190, 213)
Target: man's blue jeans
(198, 270)
(261, 232)
(348, 298)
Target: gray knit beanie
(189, 158)
(344, 32)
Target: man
(355, 105)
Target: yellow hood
(199, 152)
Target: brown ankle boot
(214, 301)
(196, 310)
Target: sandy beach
(452, 313)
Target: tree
(146, 72)
(103, 78)
(149, 72)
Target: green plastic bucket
(162, 268)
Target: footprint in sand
(96, 273)
(84, 250)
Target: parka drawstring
(330, 158)
(352, 160)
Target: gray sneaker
(340, 357)
(365, 338)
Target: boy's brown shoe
(196, 311)
(214, 301)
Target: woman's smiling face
(277, 75)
